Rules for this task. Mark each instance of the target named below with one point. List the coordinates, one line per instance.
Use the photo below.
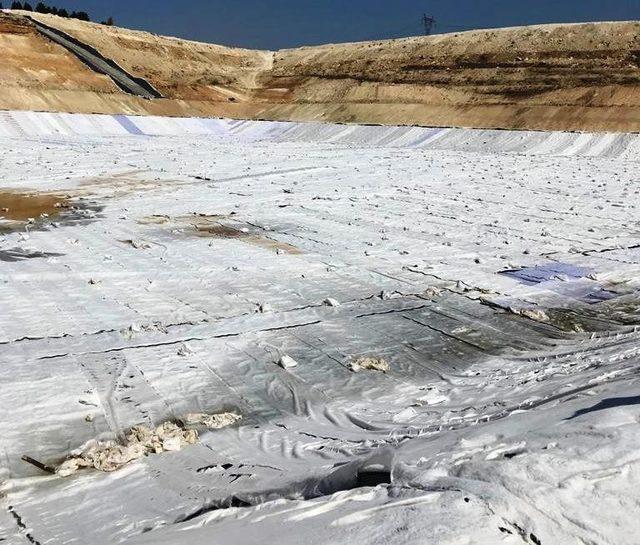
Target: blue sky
(273, 24)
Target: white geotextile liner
(314, 256)
(18, 123)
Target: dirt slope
(554, 76)
(30, 65)
(36, 74)
(180, 69)
(564, 77)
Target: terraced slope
(545, 77)
(551, 77)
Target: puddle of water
(607, 316)
(547, 271)
(211, 226)
(598, 295)
(574, 282)
(219, 231)
(12, 255)
(245, 234)
(16, 206)
(37, 210)
(624, 310)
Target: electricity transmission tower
(429, 22)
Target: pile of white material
(110, 456)
(369, 364)
(287, 362)
(533, 313)
(212, 421)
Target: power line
(416, 28)
(406, 30)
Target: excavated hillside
(553, 77)
(196, 79)
(37, 74)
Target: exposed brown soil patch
(214, 229)
(219, 231)
(17, 206)
(20, 210)
(219, 227)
